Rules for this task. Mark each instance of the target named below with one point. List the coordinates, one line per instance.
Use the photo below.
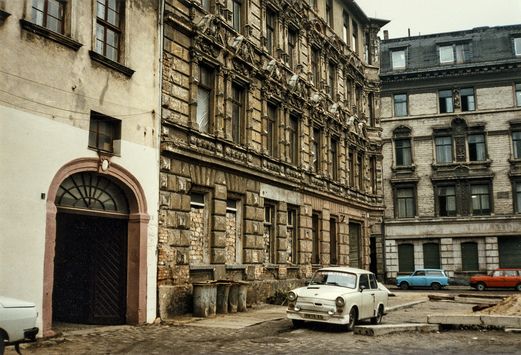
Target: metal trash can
(205, 299)
(233, 298)
(223, 291)
(241, 300)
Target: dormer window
(454, 53)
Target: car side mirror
(362, 288)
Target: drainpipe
(383, 250)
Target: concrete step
(381, 329)
(477, 320)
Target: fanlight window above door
(93, 192)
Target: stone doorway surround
(137, 236)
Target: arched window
(93, 192)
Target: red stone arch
(137, 237)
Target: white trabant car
(17, 322)
(338, 295)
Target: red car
(498, 278)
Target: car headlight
(340, 301)
(292, 296)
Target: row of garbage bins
(219, 297)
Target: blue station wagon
(434, 278)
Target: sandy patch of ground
(510, 306)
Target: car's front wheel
(404, 285)
(436, 286)
(480, 286)
(518, 287)
(353, 318)
(297, 323)
(379, 316)
(2, 343)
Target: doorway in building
(90, 261)
(90, 269)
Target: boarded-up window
(315, 253)
(405, 258)
(509, 252)
(354, 244)
(431, 256)
(469, 256)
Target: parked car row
(437, 279)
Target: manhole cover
(270, 340)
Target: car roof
(345, 269)
(429, 270)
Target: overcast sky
(437, 16)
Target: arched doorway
(67, 217)
(90, 260)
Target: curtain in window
(203, 109)
(444, 149)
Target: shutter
(469, 256)
(405, 258)
(509, 252)
(431, 256)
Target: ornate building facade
(271, 160)
(451, 119)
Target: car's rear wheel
(404, 285)
(2, 343)
(353, 318)
(297, 323)
(379, 316)
(436, 286)
(518, 287)
(480, 286)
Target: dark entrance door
(90, 269)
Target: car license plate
(313, 316)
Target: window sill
(54, 36)
(111, 64)
(4, 15)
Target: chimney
(386, 34)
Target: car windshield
(336, 278)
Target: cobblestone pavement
(265, 330)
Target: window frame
(292, 229)
(333, 150)
(270, 211)
(271, 20)
(237, 15)
(410, 202)
(208, 88)
(484, 211)
(468, 99)
(45, 15)
(459, 53)
(316, 149)
(517, 46)
(403, 152)
(444, 200)
(354, 36)
(271, 116)
(345, 27)
(293, 139)
(445, 97)
(332, 79)
(292, 48)
(237, 124)
(329, 13)
(400, 105)
(477, 151)
(517, 90)
(444, 148)
(115, 133)
(108, 26)
(516, 144)
(395, 63)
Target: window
(269, 234)
(270, 31)
(400, 105)
(406, 258)
(236, 15)
(355, 237)
(469, 256)
(516, 142)
(204, 98)
(315, 150)
(446, 102)
(447, 201)
(354, 45)
(518, 95)
(345, 29)
(403, 152)
(405, 203)
(314, 67)
(237, 113)
(477, 148)
(332, 80)
(292, 246)
(315, 235)
(292, 43)
(329, 12)
(349, 90)
(431, 256)
(398, 59)
(467, 100)
(443, 149)
(454, 53)
(334, 159)
(272, 127)
(480, 200)
(517, 46)
(518, 196)
(49, 14)
(233, 249)
(104, 132)
(108, 28)
(206, 5)
(313, 4)
(351, 167)
(372, 175)
(333, 255)
(293, 140)
(359, 172)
